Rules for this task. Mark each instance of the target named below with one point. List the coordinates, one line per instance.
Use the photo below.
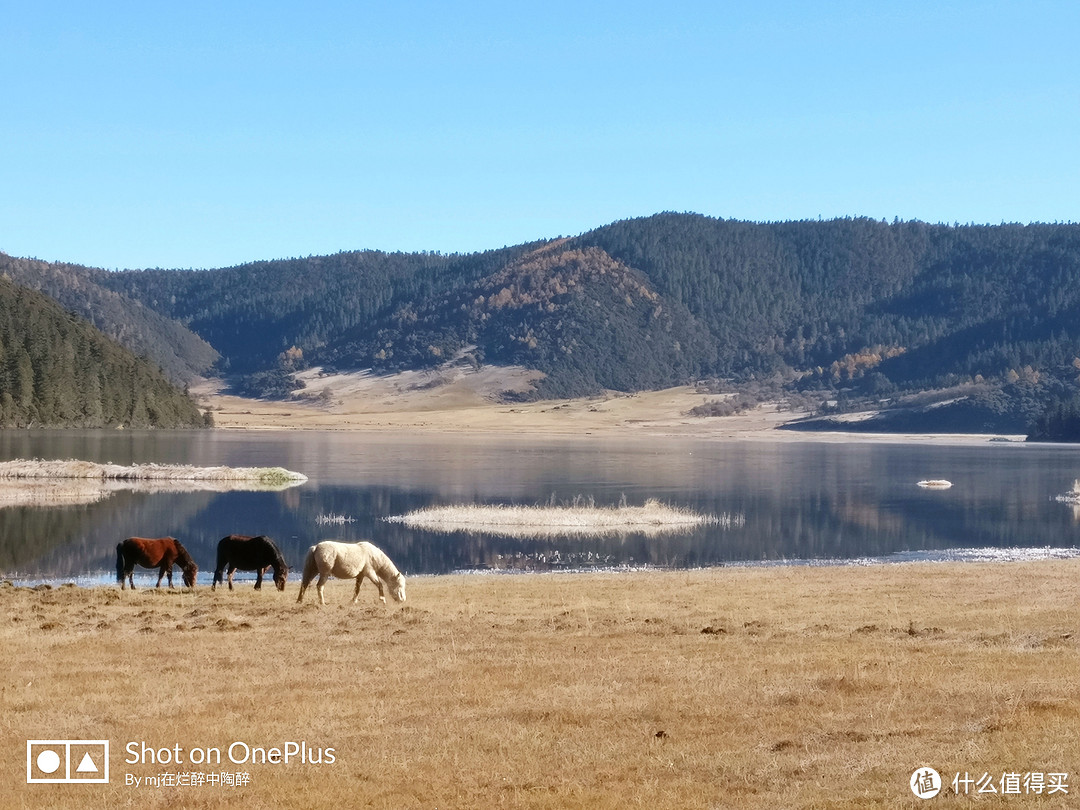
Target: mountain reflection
(797, 500)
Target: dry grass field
(461, 401)
(730, 687)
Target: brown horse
(239, 551)
(162, 553)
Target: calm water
(801, 500)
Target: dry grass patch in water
(579, 520)
(74, 468)
(26, 482)
(790, 687)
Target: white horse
(351, 561)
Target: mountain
(58, 370)
(851, 308)
(588, 321)
(178, 351)
(253, 312)
(949, 301)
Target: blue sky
(196, 134)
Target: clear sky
(206, 134)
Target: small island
(34, 482)
(580, 520)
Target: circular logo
(925, 783)
(48, 761)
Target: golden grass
(731, 687)
(26, 482)
(22, 468)
(550, 521)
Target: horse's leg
(258, 578)
(378, 583)
(319, 587)
(129, 575)
(232, 570)
(370, 574)
(161, 575)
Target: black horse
(249, 554)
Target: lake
(806, 501)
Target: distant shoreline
(145, 578)
(467, 404)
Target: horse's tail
(120, 563)
(311, 568)
(222, 560)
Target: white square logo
(67, 761)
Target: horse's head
(189, 575)
(280, 576)
(397, 588)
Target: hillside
(849, 311)
(951, 301)
(178, 351)
(58, 370)
(253, 312)
(587, 321)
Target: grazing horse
(351, 561)
(239, 551)
(161, 553)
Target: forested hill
(935, 303)
(254, 312)
(588, 321)
(178, 351)
(58, 370)
(659, 300)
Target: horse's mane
(382, 564)
(183, 559)
(279, 559)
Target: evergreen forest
(838, 314)
(56, 370)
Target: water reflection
(800, 500)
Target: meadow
(726, 687)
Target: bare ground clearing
(463, 400)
